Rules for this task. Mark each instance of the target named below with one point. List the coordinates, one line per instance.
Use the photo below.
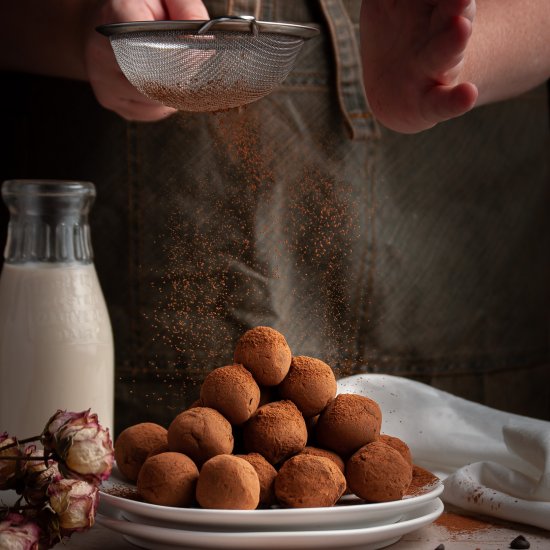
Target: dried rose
(38, 475)
(81, 444)
(18, 533)
(10, 470)
(75, 503)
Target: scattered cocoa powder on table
(458, 525)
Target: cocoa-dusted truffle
(306, 481)
(266, 475)
(265, 353)
(310, 384)
(399, 445)
(378, 473)
(168, 479)
(348, 422)
(229, 483)
(200, 433)
(315, 451)
(134, 444)
(232, 391)
(276, 431)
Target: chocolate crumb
(520, 542)
(440, 547)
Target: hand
(413, 55)
(110, 86)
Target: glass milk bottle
(56, 343)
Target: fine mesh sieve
(206, 65)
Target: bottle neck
(48, 221)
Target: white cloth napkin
(493, 463)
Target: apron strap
(349, 79)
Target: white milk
(56, 346)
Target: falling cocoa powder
(267, 248)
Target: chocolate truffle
(310, 384)
(348, 422)
(232, 391)
(229, 483)
(266, 475)
(133, 445)
(200, 433)
(399, 445)
(265, 353)
(306, 481)
(276, 431)
(315, 451)
(168, 479)
(378, 473)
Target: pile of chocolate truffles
(267, 430)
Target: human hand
(413, 55)
(111, 88)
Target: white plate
(366, 538)
(348, 512)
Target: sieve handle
(247, 18)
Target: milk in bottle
(56, 345)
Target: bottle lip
(47, 187)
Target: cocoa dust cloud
(251, 239)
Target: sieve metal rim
(240, 24)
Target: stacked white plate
(352, 523)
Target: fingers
(112, 89)
(444, 10)
(141, 112)
(444, 102)
(186, 9)
(115, 93)
(122, 11)
(445, 49)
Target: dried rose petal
(18, 533)
(75, 503)
(56, 422)
(38, 475)
(83, 446)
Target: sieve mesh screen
(205, 72)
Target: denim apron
(424, 255)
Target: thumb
(186, 9)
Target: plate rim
(415, 519)
(264, 516)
